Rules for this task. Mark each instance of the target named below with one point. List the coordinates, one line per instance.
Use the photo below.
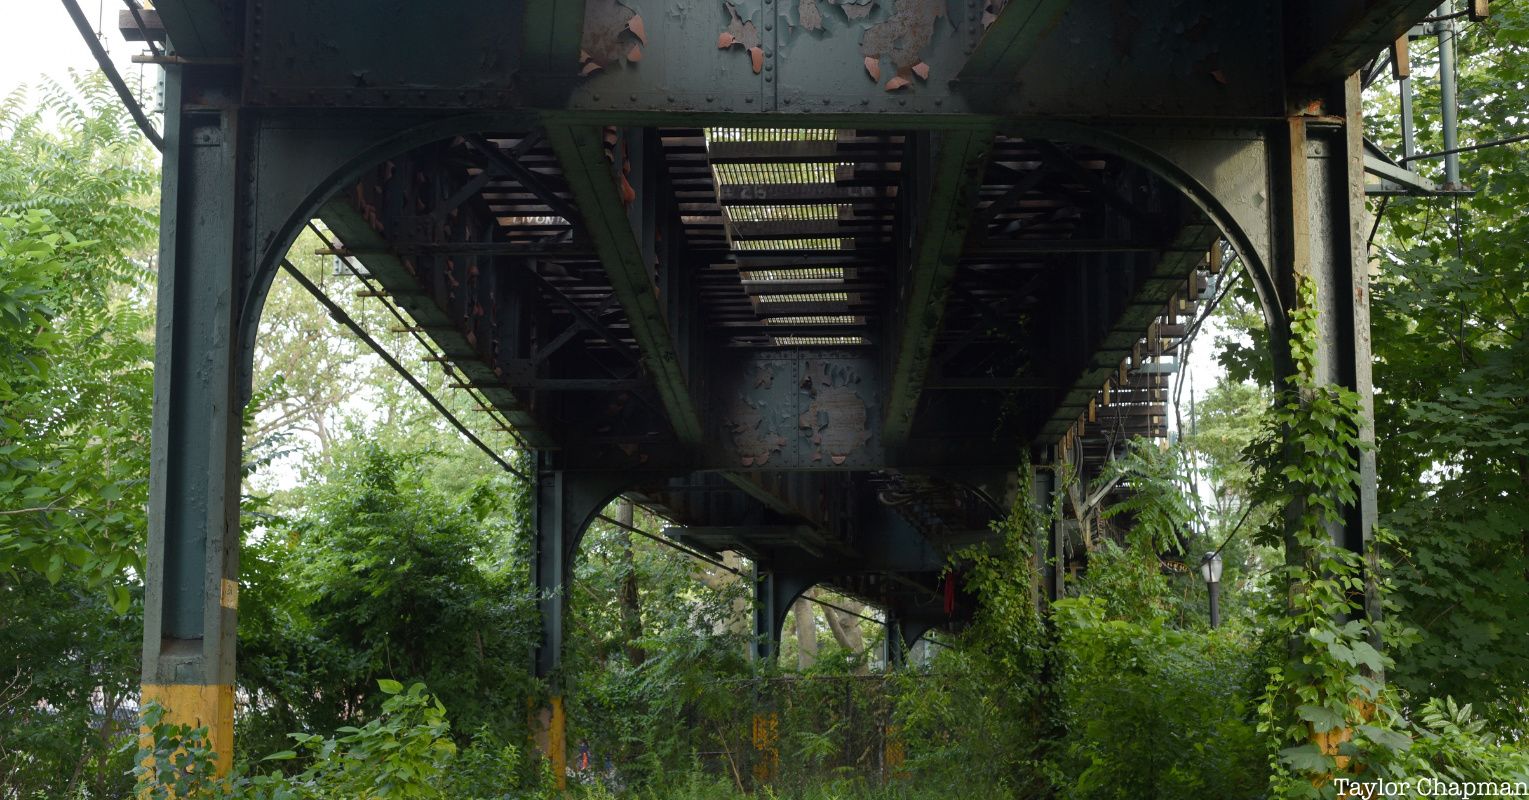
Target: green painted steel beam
(1177, 262)
(937, 249)
(606, 222)
(552, 33)
(202, 28)
(1012, 39)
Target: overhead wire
(716, 563)
(339, 315)
(407, 325)
(112, 76)
(1470, 148)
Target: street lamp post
(1210, 570)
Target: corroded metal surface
(798, 410)
(613, 33)
(901, 40)
(837, 418)
(743, 34)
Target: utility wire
(1466, 149)
(667, 543)
(104, 61)
(343, 318)
(714, 562)
(406, 324)
(137, 10)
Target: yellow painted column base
(549, 732)
(200, 705)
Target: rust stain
(901, 39)
(854, 9)
(808, 15)
(752, 438)
(991, 11)
(739, 33)
(836, 419)
(613, 31)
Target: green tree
(383, 575)
(1451, 338)
(76, 229)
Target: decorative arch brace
(239, 182)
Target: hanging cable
(104, 62)
(714, 562)
(339, 315)
(407, 326)
(136, 9)
(1470, 148)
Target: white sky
(38, 38)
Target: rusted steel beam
(1351, 33)
(936, 252)
(152, 29)
(442, 328)
(594, 186)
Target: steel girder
(272, 112)
(623, 63)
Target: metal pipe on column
(1448, 100)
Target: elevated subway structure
(812, 279)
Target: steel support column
(896, 645)
(774, 592)
(621, 242)
(1321, 188)
(192, 566)
(565, 504)
(1049, 558)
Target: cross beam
(1011, 40)
(594, 186)
(936, 253)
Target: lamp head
(1210, 567)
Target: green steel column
(565, 504)
(192, 589)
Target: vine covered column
(1322, 265)
(1325, 706)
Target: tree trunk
(631, 602)
(806, 633)
(846, 630)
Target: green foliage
(1152, 711)
(684, 697)
(985, 725)
(1158, 507)
(404, 753)
(1329, 687)
(76, 217)
(69, 668)
(382, 576)
(1450, 318)
(76, 225)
